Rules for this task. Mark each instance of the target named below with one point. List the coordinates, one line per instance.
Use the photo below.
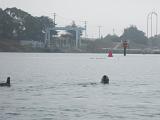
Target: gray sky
(110, 14)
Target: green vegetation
(16, 24)
(134, 35)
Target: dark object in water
(105, 79)
(6, 84)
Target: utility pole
(113, 31)
(54, 19)
(54, 44)
(85, 26)
(99, 29)
(151, 23)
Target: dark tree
(134, 35)
(18, 24)
(112, 38)
(6, 25)
(47, 22)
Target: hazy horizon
(112, 15)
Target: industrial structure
(76, 29)
(51, 43)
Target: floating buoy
(110, 53)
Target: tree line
(135, 37)
(20, 25)
(16, 24)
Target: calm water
(66, 87)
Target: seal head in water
(105, 79)
(7, 83)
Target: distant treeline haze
(17, 25)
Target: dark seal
(6, 84)
(105, 79)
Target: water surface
(67, 87)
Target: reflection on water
(67, 87)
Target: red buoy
(110, 53)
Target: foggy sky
(110, 14)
